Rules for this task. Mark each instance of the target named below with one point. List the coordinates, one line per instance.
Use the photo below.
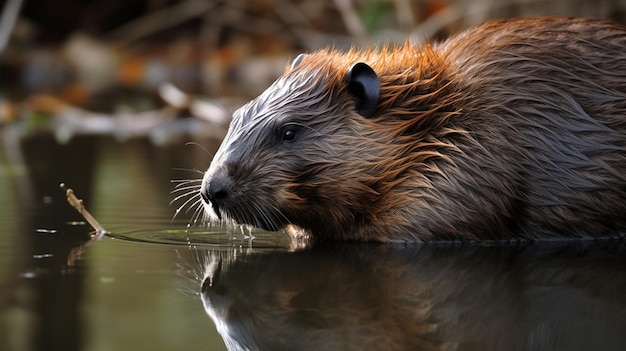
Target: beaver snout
(215, 190)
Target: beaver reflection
(427, 298)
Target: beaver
(511, 130)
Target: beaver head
(314, 150)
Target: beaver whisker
(240, 214)
(205, 219)
(199, 213)
(191, 202)
(189, 191)
(182, 182)
(254, 214)
(193, 143)
(265, 218)
(198, 202)
(279, 213)
(192, 170)
(185, 191)
(270, 217)
(185, 188)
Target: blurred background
(104, 96)
(121, 56)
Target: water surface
(154, 283)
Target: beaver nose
(215, 190)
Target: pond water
(154, 283)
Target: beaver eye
(288, 133)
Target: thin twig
(80, 207)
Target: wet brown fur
(511, 130)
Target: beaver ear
(297, 60)
(364, 86)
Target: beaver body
(515, 129)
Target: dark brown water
(155, 284)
